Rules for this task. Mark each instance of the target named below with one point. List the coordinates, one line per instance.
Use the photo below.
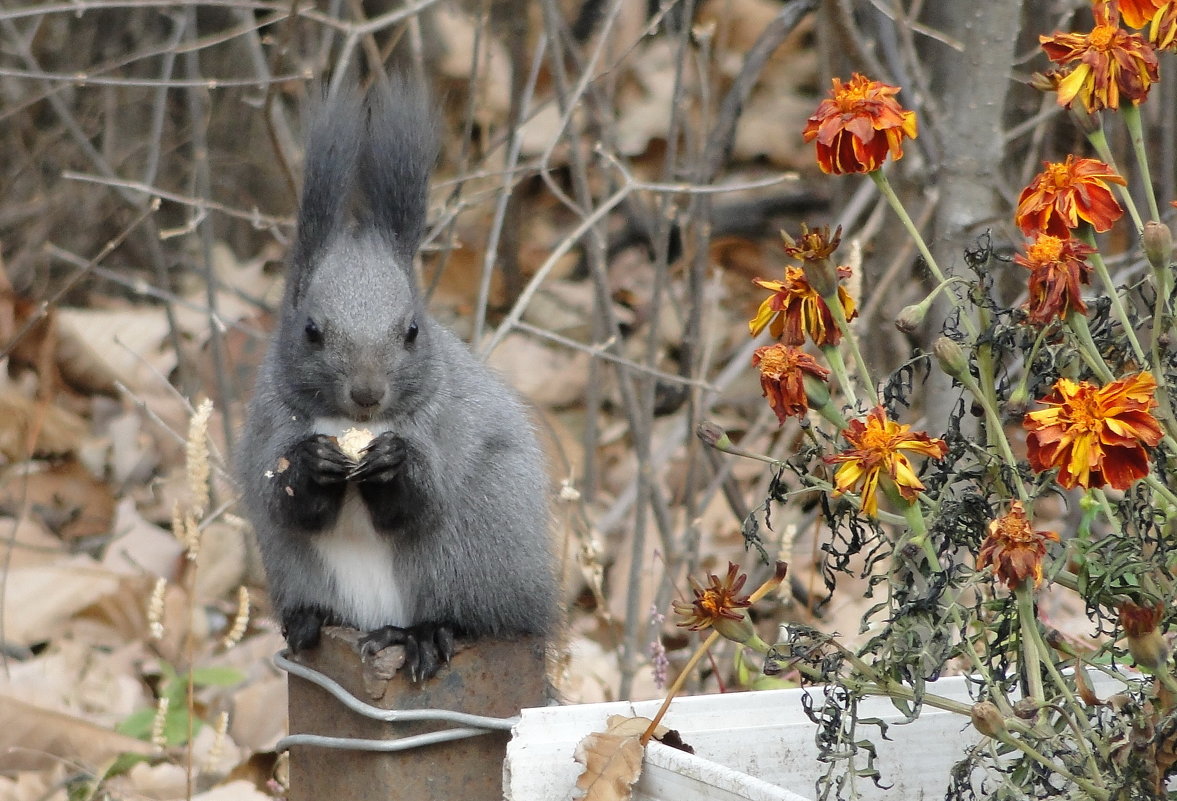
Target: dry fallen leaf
(612, 760)
(34, 737)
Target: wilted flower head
(1141, 624)
(1107, 62)
(1013, 548)
(782, 378)
(1058, 267)
(1162, 31)
(857, 125)
(876, 454)
(813, 249)
(719, 606)
(1067, 193)
(1095, 436)
(795, 309)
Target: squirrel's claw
(321, 458)
(428, 646)
(382, 460)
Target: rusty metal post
(490, 677)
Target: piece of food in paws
(353, 441)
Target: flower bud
(713, 435)
(1158, 245)
(951, 357)
(740, 631)
(1026, 709)
(817, 391)
(911, 317)
(987, 719)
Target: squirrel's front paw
(382, 460)
(322, 461)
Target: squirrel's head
(355, 345)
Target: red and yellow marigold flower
(1138, 13)
(1014, 549)
(1095, 436)
(876, 454)
(1162, 31)
(1057, 269)
(782, 377)
(1067, 193)
(858, 125)
(1106, 63)
(795, 309)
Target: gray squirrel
(439, 528)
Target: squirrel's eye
(411, 332)
(314, 335)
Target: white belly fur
(368, 591)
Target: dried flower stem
(679, 680)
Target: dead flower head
(1067, 193)
(795, 309)
(876, 453)
(858, 125)
(1142, 633)
(1058, 267)
(1014, 549)
(1106, 63)
(719, 599)
(782, 378)
(1095, 436)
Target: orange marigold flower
(857, 125)
(876, 453)
(1066, 193)
(1095, 436)
(795, 309)
(1137, 13)
(1108, 62)
(1162, 32)
(719, 600)
(1013, 548)
(782, 377)
(1057, 268)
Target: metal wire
(469, 725)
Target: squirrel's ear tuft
(401, 147)
(334, 144)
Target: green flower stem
(1099, 141)
(1093, 790)
(919, 533)
(1164, 401)
(1076, 710)
(1031, 658)
(1101, 269)
(909, 225)
(1166, 493)
(1020, 391)
(839, 314)
(997, 431)
(1131, 114)
(1077, 324)
(838, 368)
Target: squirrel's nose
(366, 395)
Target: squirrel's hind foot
(428, 646)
